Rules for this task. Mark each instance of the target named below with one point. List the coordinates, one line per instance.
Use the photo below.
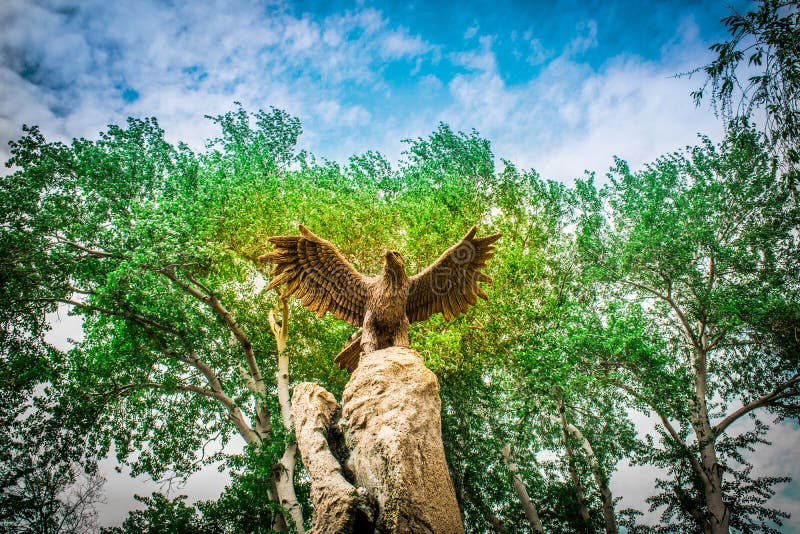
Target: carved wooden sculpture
(383, 306)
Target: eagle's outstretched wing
(316, 273)
(450, 285)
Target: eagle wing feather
(450, 285)
(316, 273)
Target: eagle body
(385, 322)
(383, 306)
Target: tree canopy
(672, 290)
(758, 70)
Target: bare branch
(674, 305)
(648, 289)
(670, 429)
(234, 413)
(89, 251)
(771, 398)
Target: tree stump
(379, 467)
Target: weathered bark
(283, 473)
(522, 493)
(336, 500)
(391, 428)
(573, 473)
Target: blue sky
(556, 86)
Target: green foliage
(699, 251)
(162, 515)
(47, 484)
(155, 246)
(747, 496)
(765, 44)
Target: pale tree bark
(283, 491)
(719, 515)
(522, 493)
(573, 472)
(708, 468)
(384, 454)
(283, 473)
(716, 518)
(599, 476)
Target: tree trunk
(283, 472)
(522, 493)
(598, 475)
(718, 513)
(576, 479)
(381, 466)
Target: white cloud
(399, 44)
(191, 60)
(332, 111)
(572, 118)
(538, 54)
(300, 35)
(483, 60)
(430, 83)
(585, 40)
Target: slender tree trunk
(522, 493)
(719, 515)
(597, 473)
(709, 470)
(573, 473)
(602, 484)
(283, 473)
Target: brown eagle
(383, 306)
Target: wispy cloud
(572, 117)
(73, 68)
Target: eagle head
(394, 262)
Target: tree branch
(89, 251)
(714, 342)
(141, 319)
(646, 288)
(670, 429)
(234, 413)
(765, 400)
(203, 294)
(669, 300)
(599, 475)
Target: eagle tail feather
(350, 355)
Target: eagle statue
(383, 306)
